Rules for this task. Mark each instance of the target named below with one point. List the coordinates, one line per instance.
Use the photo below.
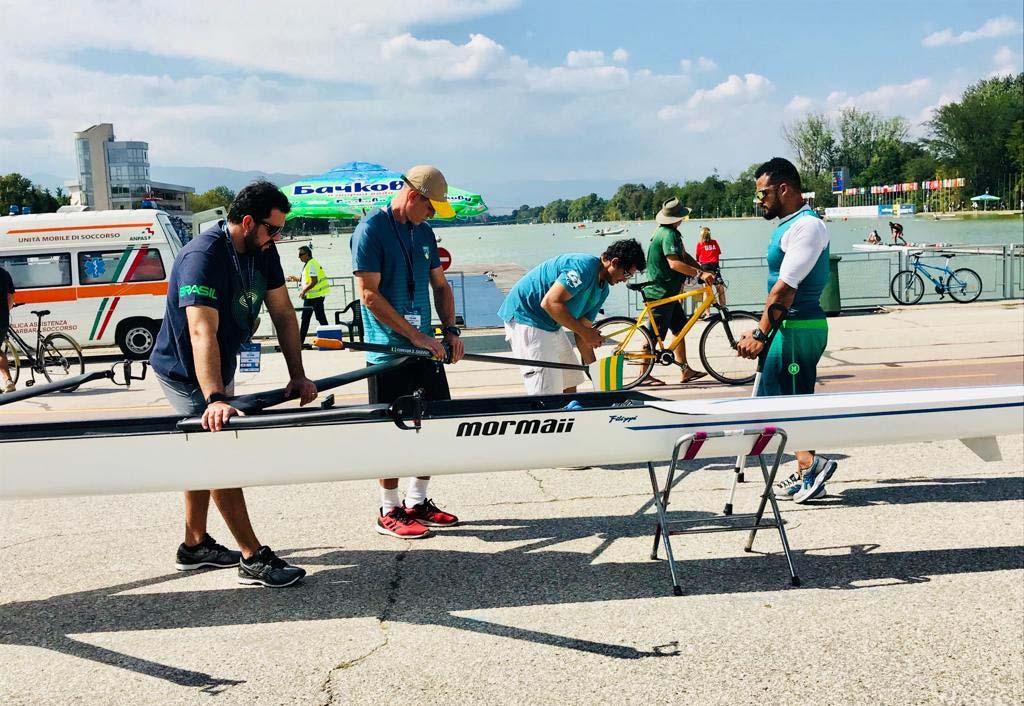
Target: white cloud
(701, 64)
(620, 56)
(734, 89)
(799, 105)
(706, 108)
(579, 58)
(995, 27)
(887, 99)
(1007, 62)
(442, 59)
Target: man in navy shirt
(395, 263)
(216, 288)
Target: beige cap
(671, 212)
(430, 182)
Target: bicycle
(56, 356)
(642, 346)
(907, 286)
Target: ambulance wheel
(136, 338)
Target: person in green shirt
(315, 288)
(670, 269)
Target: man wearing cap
(315, 289)
(670, 269)
(395, 263)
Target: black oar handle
(777, 313)
(259, 401)
(424, 353)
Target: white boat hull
(466, 436)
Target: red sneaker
(427, 513)
(398, 523)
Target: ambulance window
(35, 271)
(105, 267)
(173, 235)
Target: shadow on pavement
(430, 587)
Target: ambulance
(101, 274)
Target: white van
(101, 274)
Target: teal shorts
(791, 367)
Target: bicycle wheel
(10, 352)
(907, 287)
(964, 285)
(61, 358)
(638, 358)
(718, 348)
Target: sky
(494, 92)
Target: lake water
(864, 277)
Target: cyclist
(671, 270)
(567, 290)
(798, 270)
(6, 304)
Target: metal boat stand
(726, 523)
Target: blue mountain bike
(963, 285)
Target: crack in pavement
(383, 618)
(540, 485)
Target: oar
(605, 373)
(72, 383)
(259, 401)
(776, 314)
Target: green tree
(16, 190)
(217, 196)
(975, 135)
(814, 144)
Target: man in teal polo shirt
(565, 291)
(797, 273)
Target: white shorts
(537, 344)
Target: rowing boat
(473, 435)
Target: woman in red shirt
(708, 254)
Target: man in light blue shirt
(565, 291)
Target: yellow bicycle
(642, 346)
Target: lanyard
(246, 284)
(410, 281)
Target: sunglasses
(272, 230)
(761, 193)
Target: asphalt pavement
(912, 569)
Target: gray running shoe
(208, 554)
(786, 489)
(264, 568)
(814, 480)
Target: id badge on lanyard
(412, 314)
(249, 358)
(249, 352)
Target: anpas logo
(511, 426)
(356, 187)
(199, 290)
(574, 278)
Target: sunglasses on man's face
(272, 230)
(761, 193)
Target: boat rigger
(474, 435)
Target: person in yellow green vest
(315, 288)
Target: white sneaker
(10, 386)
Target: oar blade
(606, 373)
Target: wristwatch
(216, 397)
(759, 335)
(453, 330)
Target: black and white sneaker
(264, 569)
(207, 554)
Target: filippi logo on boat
(356, 187)
(513, 426)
